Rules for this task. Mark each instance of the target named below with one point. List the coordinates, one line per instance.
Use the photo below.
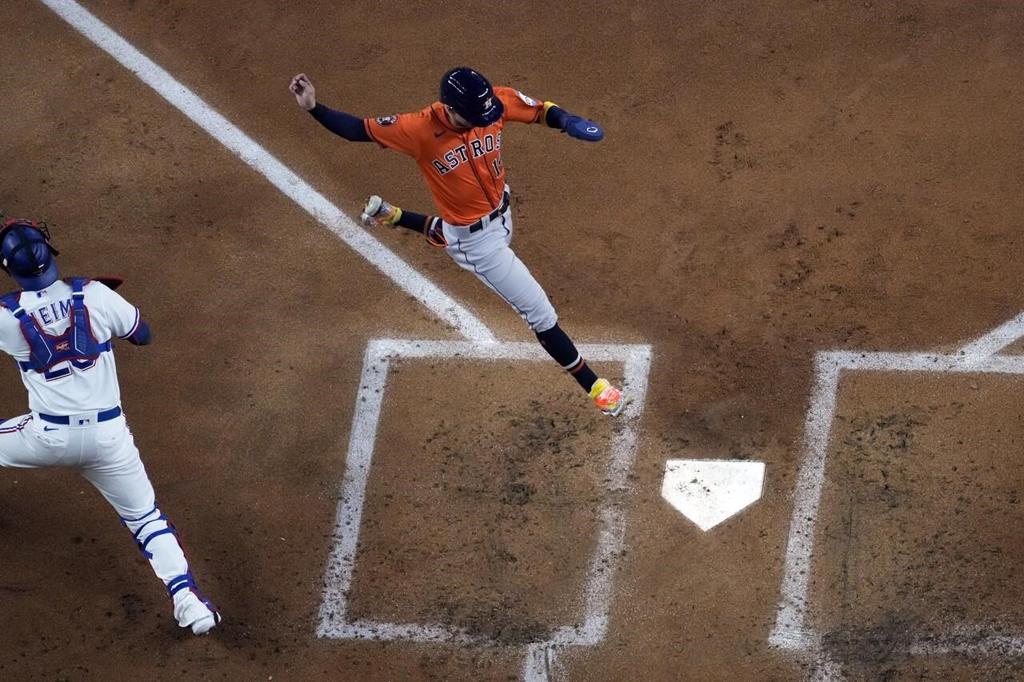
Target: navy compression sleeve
(555, 117)
(429, 226)
(338, 122)
(417, 222)
(142, 335)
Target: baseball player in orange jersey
(457, 143)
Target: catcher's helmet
(27, 254)
(471, 96)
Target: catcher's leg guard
(157, 539)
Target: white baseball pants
(105, 454)
(487, 254)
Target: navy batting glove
(582, 129)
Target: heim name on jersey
(77, 385)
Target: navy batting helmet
(471, 96)
(26, 253)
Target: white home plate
(710, 491)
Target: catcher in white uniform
(59, 332)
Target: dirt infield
(498, 492)
(919, 526)
(778, 178)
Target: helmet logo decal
(386, 120)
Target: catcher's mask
(471, 96)
(26, 253)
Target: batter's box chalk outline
(598, 589)
(792, 630)
(482, 344)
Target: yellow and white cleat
(379, 212)
(608, 399)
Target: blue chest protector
(76, 343)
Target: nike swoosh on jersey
(49, 428)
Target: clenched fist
(305, 93)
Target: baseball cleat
(607, 398)
(379, 212)
(193, 611)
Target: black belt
(479, 225)
(104, 416)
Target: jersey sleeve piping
(135, 325)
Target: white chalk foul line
(792, 630)
(287, 181)
(994, 341)
(541, 656)
(333, 622)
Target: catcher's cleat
(191, 610)
(607, 398)
(379, 212)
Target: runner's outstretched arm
(338, 122)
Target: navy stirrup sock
(560, 347)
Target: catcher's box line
(286, 180)
(541, 656)
(791, 629)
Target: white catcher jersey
(67, 388)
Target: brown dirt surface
(778, 178)
(919, 525)
(498, 492)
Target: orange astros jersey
(463, 168)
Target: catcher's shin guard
(157, 539)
